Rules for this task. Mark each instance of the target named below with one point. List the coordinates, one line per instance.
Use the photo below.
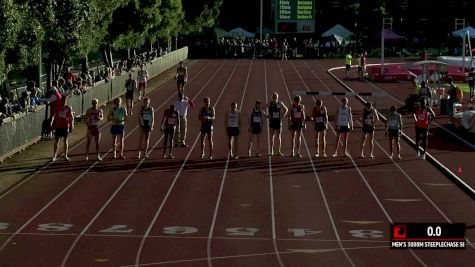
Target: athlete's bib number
(319, 119)
(470, 78)
(421, 117)
(94, 122)
(146, 117)
(368, 121)
(256, 119)
(276, 115)
(207, 117)
(392, 123)
(297, 115)
(62, 114)
(171, 121)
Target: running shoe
(362, 155)
(170, 156)
(183, 145)
(164, 156)
(249, 153)
(236, 157)
(399, 156)
(324, 155)
(280, 154)
(67, 158)
(258, 154)
(335, 154)
(423, 156)
(371, 156)
(210, 157)
(87, 158)
(347, 154)
(202, 155)
(54, 159)
(391, 156)
(121, 157)
(299, 155)
(99, 158)
(114, 156)
(316, 155)
(140, 155)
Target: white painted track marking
(411, 180)
(157, 214)
(271, 184)
(320, 186)
(82, 141)
(76, 241)
(363, 177)
(223, 180)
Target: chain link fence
(25, 129)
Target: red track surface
(247, 212)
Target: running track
(265, 211)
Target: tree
(131, 25)
(19, 36)
(199, 15)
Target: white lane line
(401, 102)
(76, 241)
(363, 177)
(317, 178)
(289, 251)
(223, 180)
(172, 186)
(85, 229)
(421, 191)
(271, 178)
(62, 192)
(82, 141)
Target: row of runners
(173, 125)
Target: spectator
(425, 93)
(24, 101)
(31, 86)
(70, 75)
(35, 101)
(452, 92)
(471, 83)
(13, 99)
(98, 77)
(6, 108)
(60, 85)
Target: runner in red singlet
(63, 121)
(94, 115)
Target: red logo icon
(399, 231)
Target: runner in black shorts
(393, 130)
(232, 124)
(277, 110)
(181, 78)
(370, 117)
(130, 86)
(207, 116)
(296, 122)
(256, 128)
(320, 118)
(146, 118)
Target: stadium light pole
(260, 20)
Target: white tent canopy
(339, 31)
(239, 32)
(461, 33)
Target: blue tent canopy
(461, 33)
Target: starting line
(328, 93)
